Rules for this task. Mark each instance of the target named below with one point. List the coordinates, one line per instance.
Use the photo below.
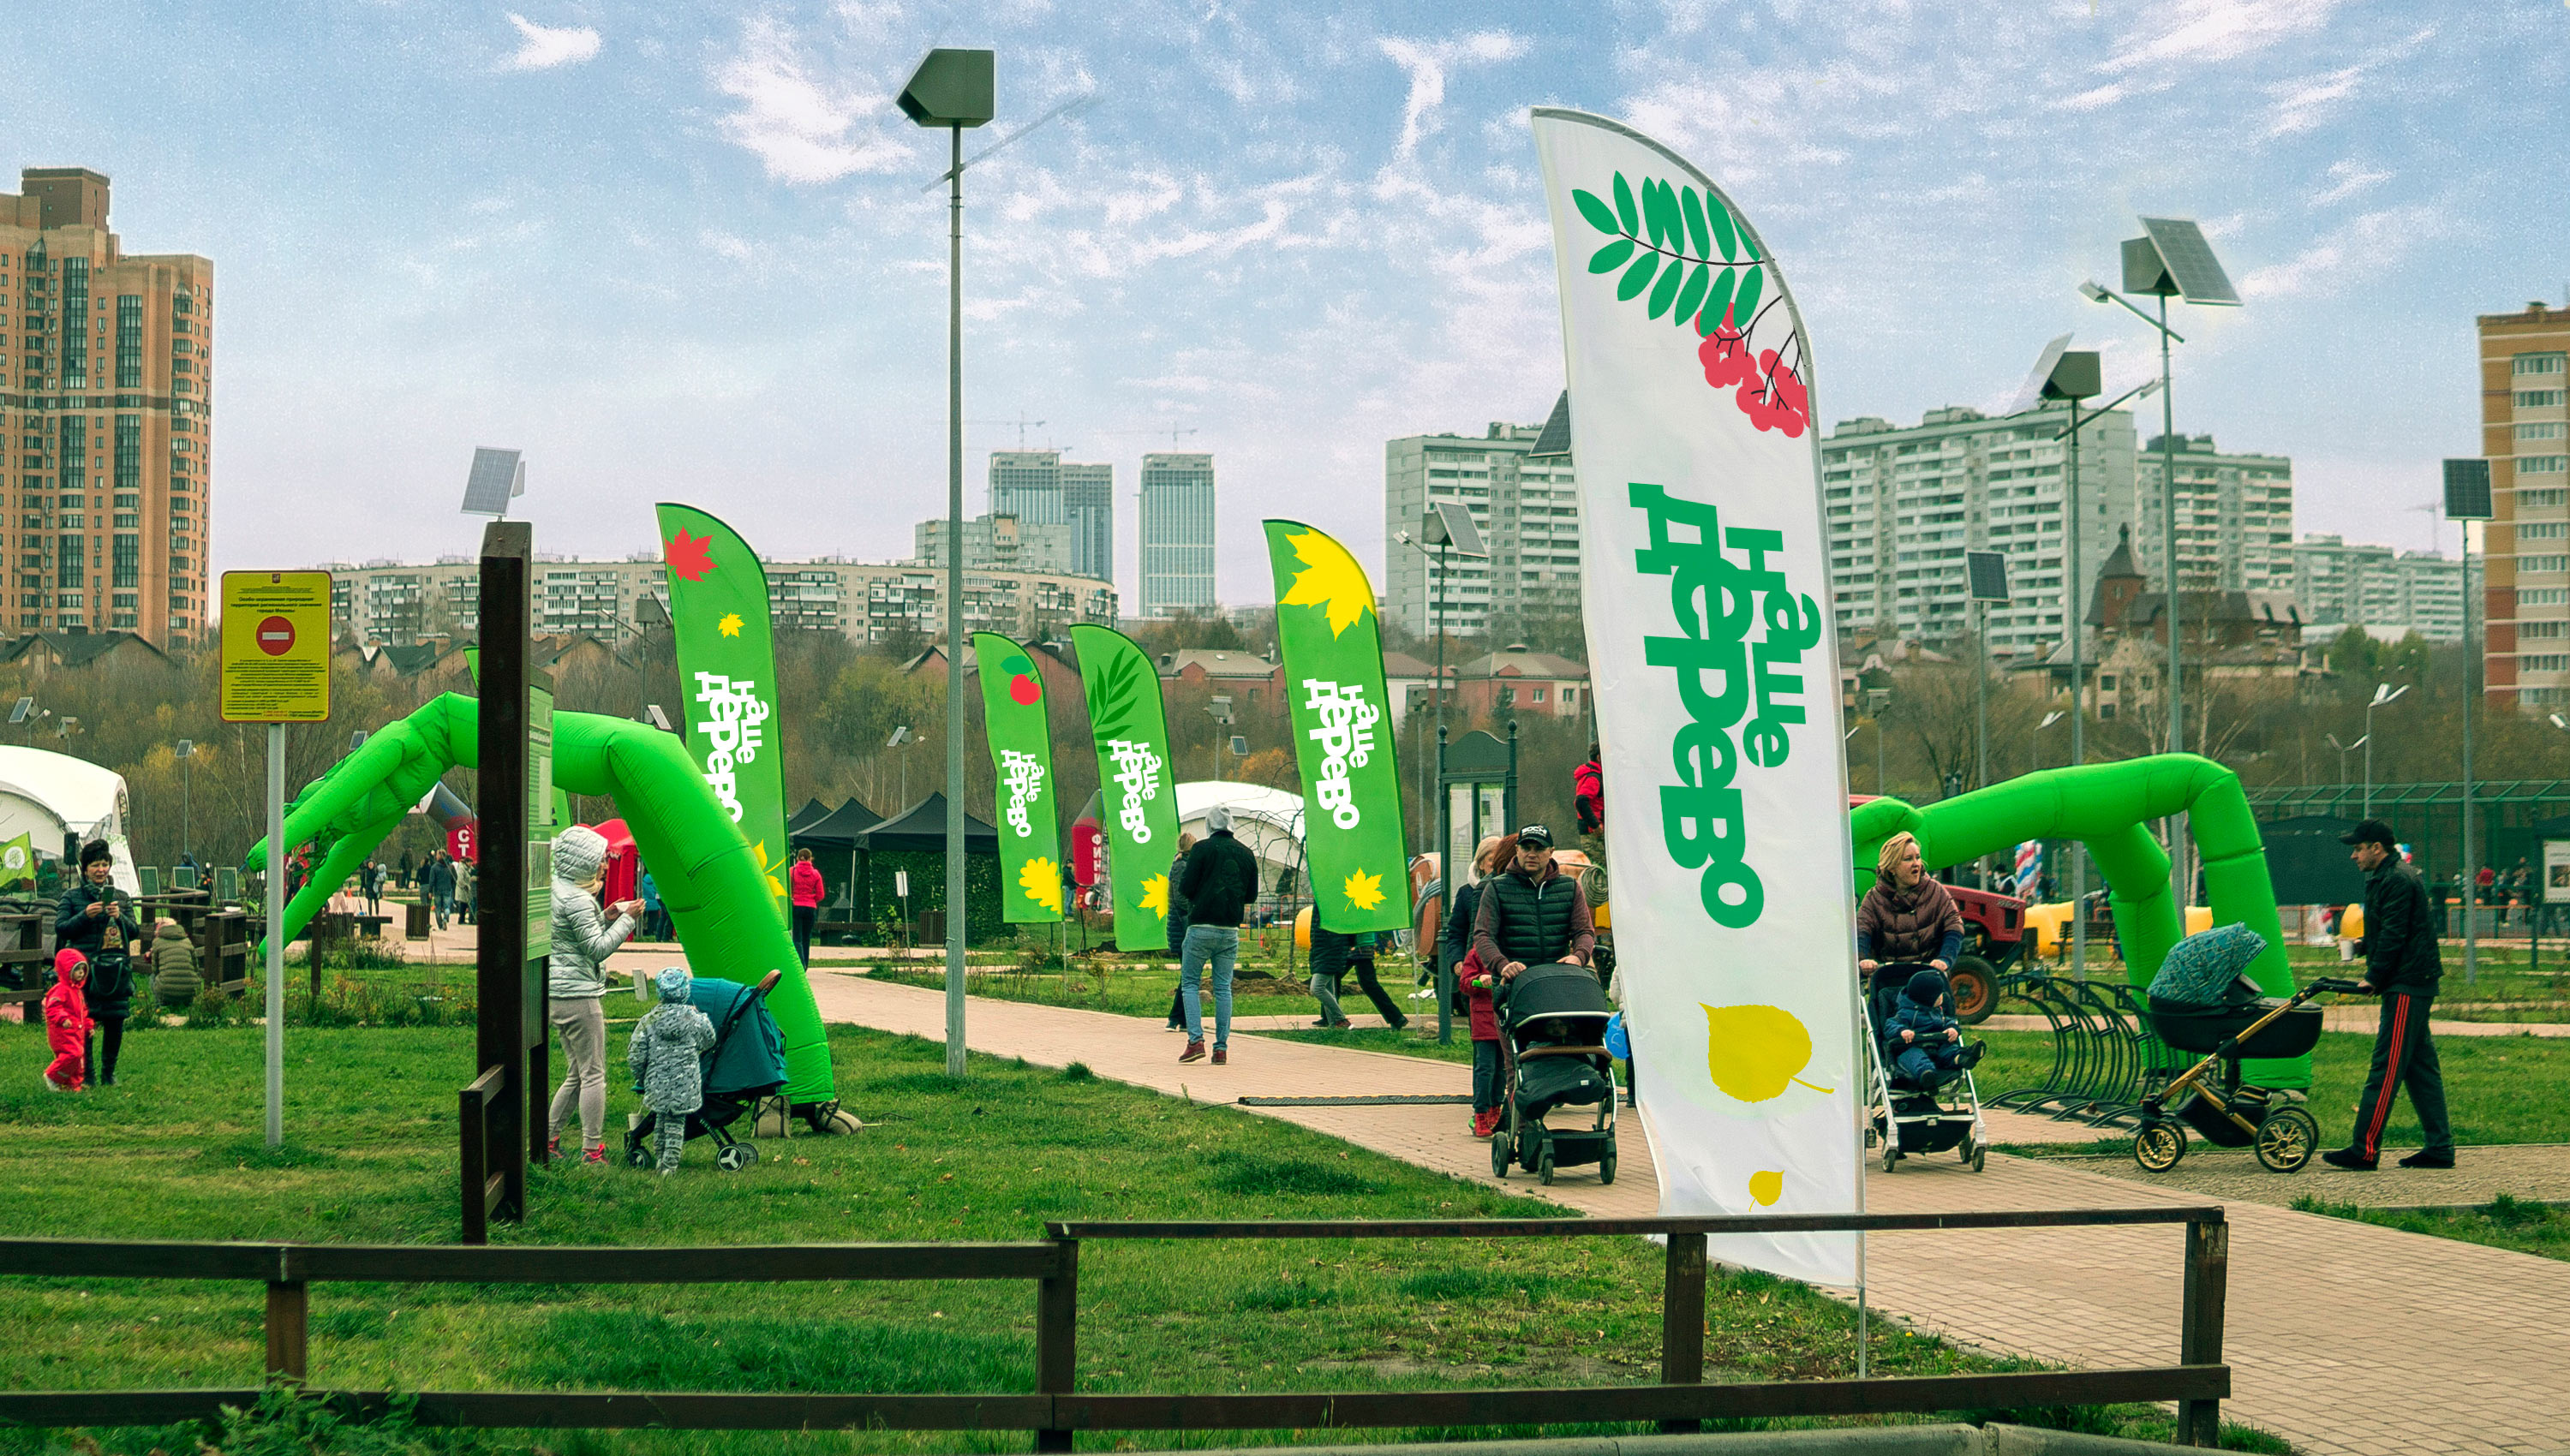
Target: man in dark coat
(1218, 880)
(1533, 913)
(2401, 967)
(97, 920)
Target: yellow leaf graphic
(1042, 880)
(1365, 892)
(775, 887)
(1755, 1052)
(1767, 1187)
(1331, 579)
(729, 626)
(1155, 896)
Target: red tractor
(1994, 937)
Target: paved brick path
(2471, 1345)
(2520, 1170)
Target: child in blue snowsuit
(1925, 1046)
(668, 1042)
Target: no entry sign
(277, 647)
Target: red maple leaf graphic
(690, 557)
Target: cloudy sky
(683, 250)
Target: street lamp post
(954, 89)
(2467, 498)
(187, 756)
(2170, 258)
(2384, 694)
(1876, 700)
(2344, 749)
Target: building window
(2545, 662)
(70, 560)
(2542, 530)
(2542, 465)
(2524, 365)
(2543, 565)
(128, 341)
(2554, 496)
(2541, 430)
(2543, 596)
(2540, 399)
(128, 561)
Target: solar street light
(497, 477)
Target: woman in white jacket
(576, 981)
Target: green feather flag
(1013, 716)
(1332, 641)
(1138, 797)
(727, 678)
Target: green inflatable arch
(709, 881)
(2108, 807)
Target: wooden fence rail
(1054, 1411)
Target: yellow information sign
(277, 646)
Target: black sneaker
(2429, 1158)
(2350, 1158)
(1971, 1056)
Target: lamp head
(2048, 720)
(2092, 292)
(2557, 723)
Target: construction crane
(1173, 433)
(1023, 425)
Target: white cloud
(2218, 30)
(1428, 63)
(728, 245)
(2367, 245)
(801, 130)
(2302, 105)
(2346, 179)
(541, 48)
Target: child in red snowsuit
(67, 1022)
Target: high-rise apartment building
(1526, 509)
(2340, 584)
(1002, 541)
(2235, 517)
(396, 603)
(106, 410)
(2525, 433)
(1039, 488)
(1177, 533)
(1906, 504)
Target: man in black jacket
(1219, 878)
(2401, 967)
(1532, 914)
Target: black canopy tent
(922, 830)
(832, 839)
(812, 811)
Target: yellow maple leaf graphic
(775, 887)
(1155, 896)
(1331, 579)
(729, 626)
(1365, 892)
(1042, 880)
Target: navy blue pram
(746, 1062)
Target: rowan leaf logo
(1155, 896)
(689, 556)
(1365, 892)
(729, 626)
(1040, 878)
(1331, 580)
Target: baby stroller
(2243, 1021)
(1904, 1116)
(1553, 1055)
(747, 1062)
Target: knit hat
(1218, 820)
(578, 853)
(1925, 988)
(673, 982)
(95, 851)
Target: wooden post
(1058, 1336)
(286, 1348)
(1682, 1320)
(500, 968)
(2207, 1272)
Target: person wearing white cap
(575, 981)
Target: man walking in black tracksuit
(2401, 967)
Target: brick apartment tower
(2525, 433)
(106, 412)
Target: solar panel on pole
(2189, 261)
(2030, 393)
(2467, 490)
(497, 477)
(1989, 573)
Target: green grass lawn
(174, 1152)
(2504, 1223)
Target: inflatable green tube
(709, 881)
(2108, 807)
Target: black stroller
(1905, 1117)
(1553, 1055)
(747, 1062)
(2243, 1021)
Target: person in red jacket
(1589, 794)
(804, 884)
(67, 1023)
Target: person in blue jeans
(1220, 878)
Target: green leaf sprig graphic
(1666, 242)
(1118, 695)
